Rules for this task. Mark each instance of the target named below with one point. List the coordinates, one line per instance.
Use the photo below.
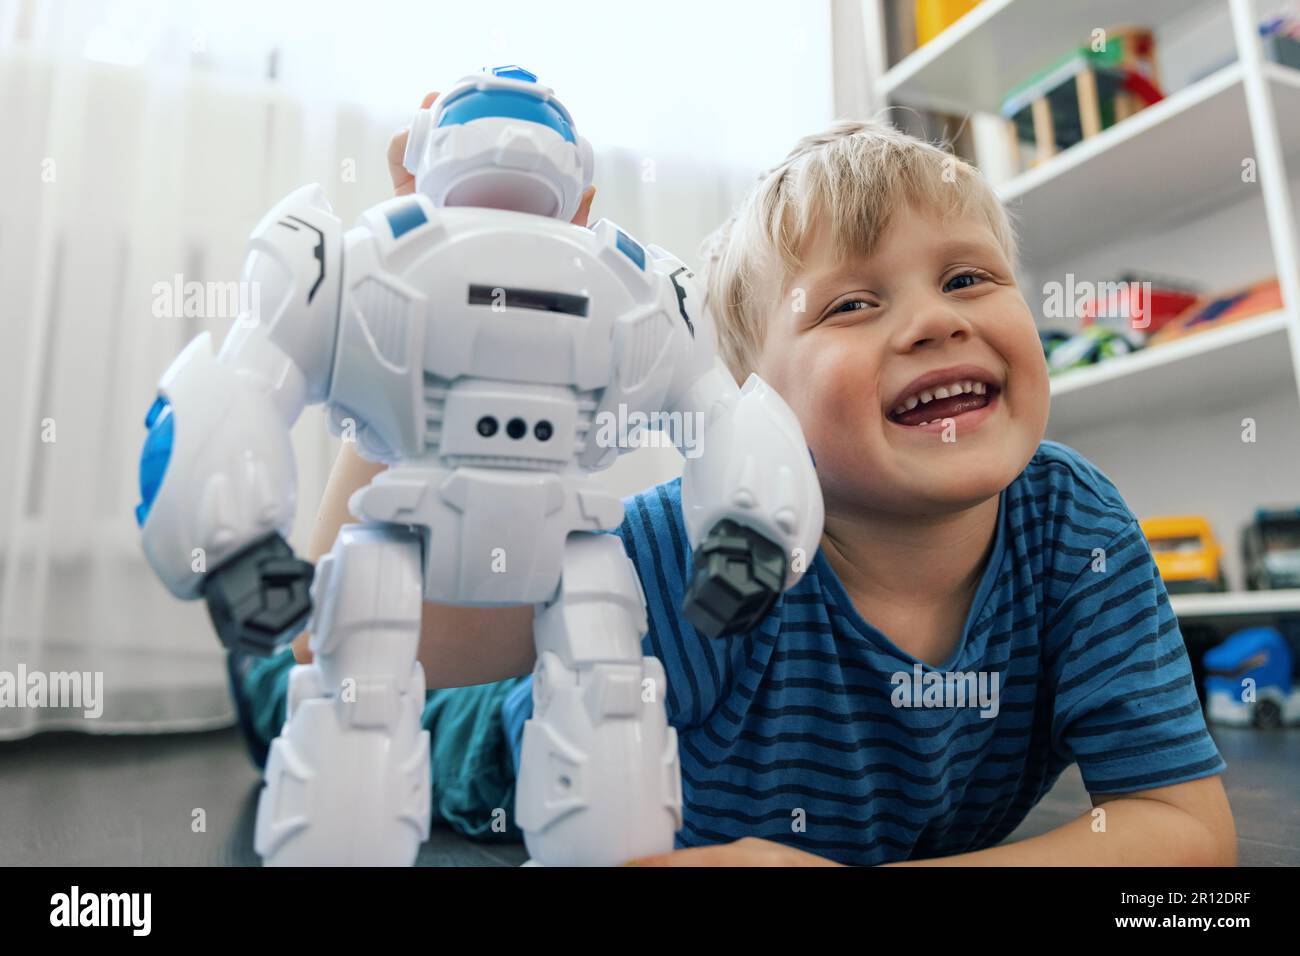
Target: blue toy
(1248, 680)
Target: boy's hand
(751, 851)
(404, 182)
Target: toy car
(1186, 552)
(1248, 680)
(1094, 344)
(1270, 550)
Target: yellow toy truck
(1187, 553)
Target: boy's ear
(584, 207)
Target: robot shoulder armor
(294, 269)
(627, 258)
(401, 223)
(295, 252)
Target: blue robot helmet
(499, 139)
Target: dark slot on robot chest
(540, 300)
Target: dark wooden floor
(75, 799)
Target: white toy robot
(472, 338)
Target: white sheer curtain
(141, 143)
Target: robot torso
(482, 354)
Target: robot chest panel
(515, 305)
(482, 343)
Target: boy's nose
(932, 320)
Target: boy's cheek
(1042, 403)
(840, 412)
(1012, 333)
(1030, 385)
(851, 473)
(825, 387)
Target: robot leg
(347, 780)
(599, 781)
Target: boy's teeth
(943, 391)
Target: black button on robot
(487, 426)
(516, 428)
(542, 430)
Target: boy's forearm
(1138, 832)
(460, 646)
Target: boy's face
(935, 295)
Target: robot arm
(750, 497)
(217, 478)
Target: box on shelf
(1088, 90)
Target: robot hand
(737, 575)
(260, 598)
(753, 508)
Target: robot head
(502, 140)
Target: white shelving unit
(1161, 192)
(1236, 604)
(1171, 380)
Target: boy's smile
(915, 370)
(953, 393)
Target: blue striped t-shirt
(796, 731)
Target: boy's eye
(853, 305)
(963, 281)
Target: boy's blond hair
(857, 175)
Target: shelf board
(1235, 603)
(1139, 170)
(1207, 370)
(974, 63)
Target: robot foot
(599, 780)
(347, 781)
(597, 794)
